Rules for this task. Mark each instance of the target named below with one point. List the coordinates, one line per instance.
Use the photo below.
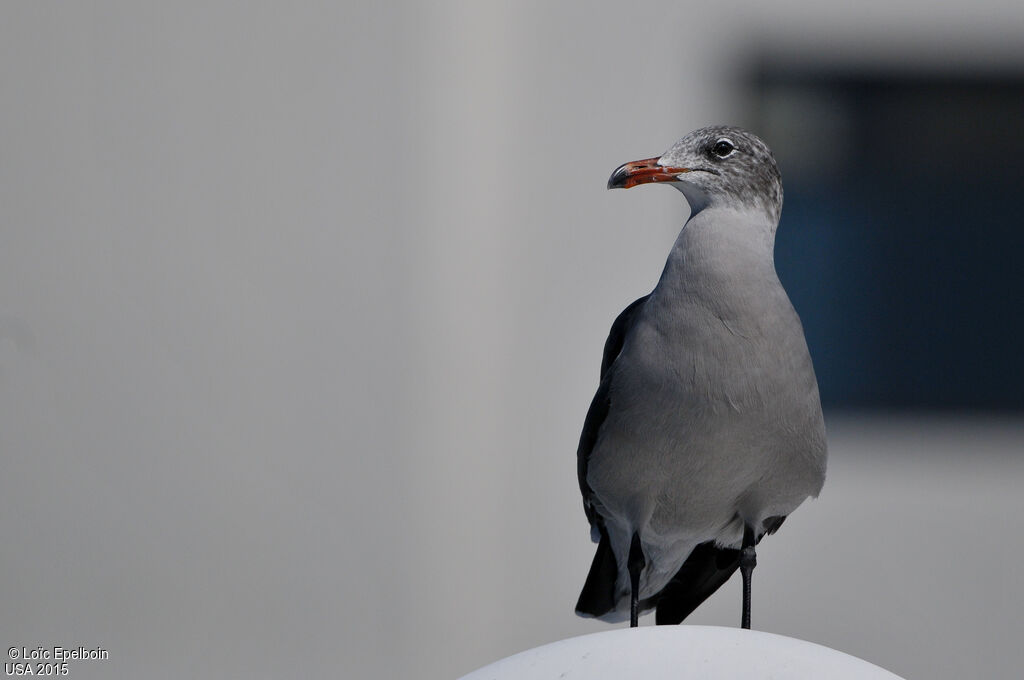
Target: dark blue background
(905, 259)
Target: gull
(706, 431)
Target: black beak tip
(618, 178)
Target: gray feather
(707, 416)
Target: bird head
(717, 166)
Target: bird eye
(723, 148)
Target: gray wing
(599, 408)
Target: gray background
(301, 309)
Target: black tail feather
(703, 572)
(598, 596)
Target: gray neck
(721, 259)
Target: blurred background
(302, 307)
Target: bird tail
(706, 569)
(598, 596)
(703, 572)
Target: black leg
(635, 564)
(748, 560)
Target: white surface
(682, 652)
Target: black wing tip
(598, 595)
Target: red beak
(641, 172)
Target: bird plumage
(707, 417)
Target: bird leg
(748, 560)
(635, 563)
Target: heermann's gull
(706, 430)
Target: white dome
(681, 653)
